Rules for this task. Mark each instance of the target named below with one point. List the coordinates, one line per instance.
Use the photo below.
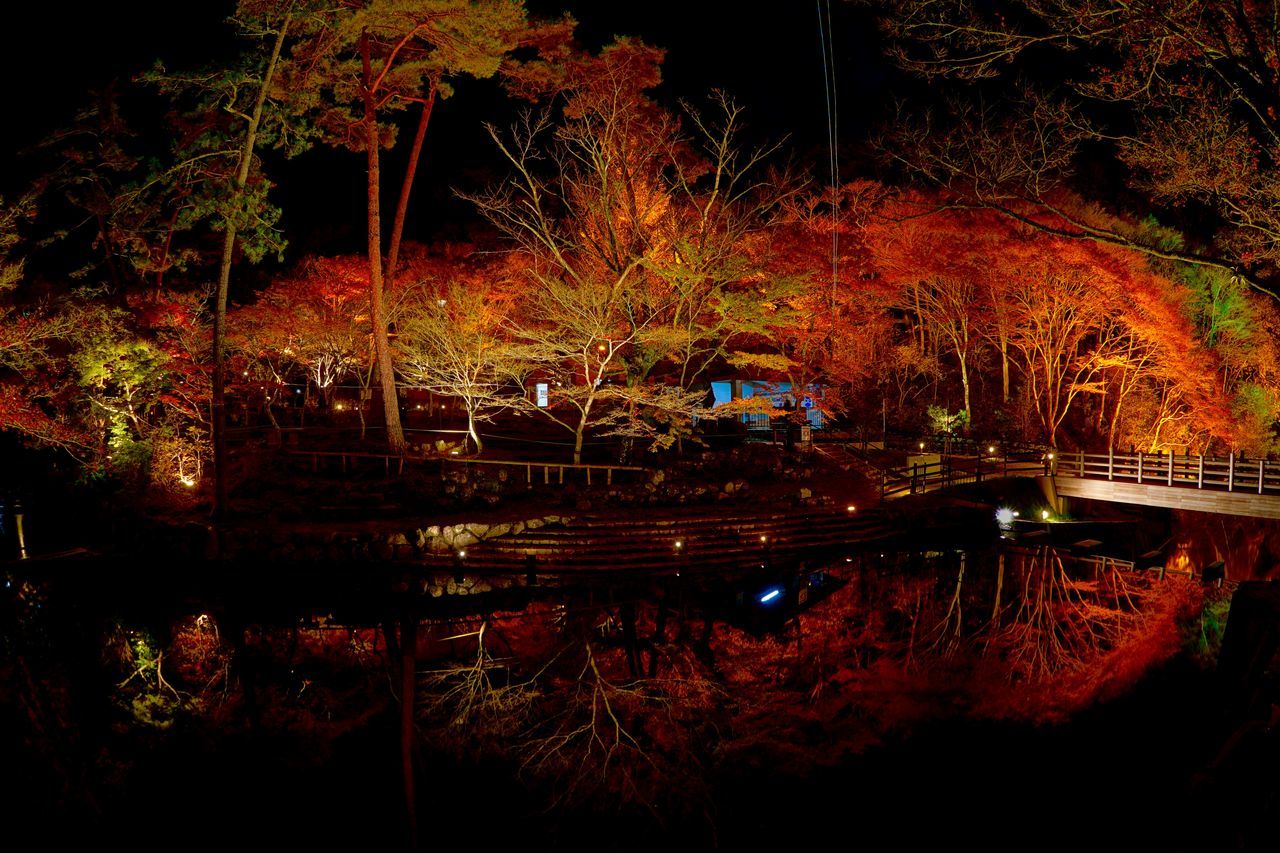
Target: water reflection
(631, 695)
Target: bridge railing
(1230, 474)
(959, 470)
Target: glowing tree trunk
(224, 279)
(377, 310)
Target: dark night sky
(768, 58)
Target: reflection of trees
(577, 722)
(1061, 613)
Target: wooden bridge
(1230, 485)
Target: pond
(729, 710)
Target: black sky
(767, 55)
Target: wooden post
(546, 475)
(528, 476)
(1231, 470)
(915, 476)
(608, 477)
(1260, 470)
(1200, 471)
(1111, 462)
(562, 475)
(1170, 467)
(1139, 467)
(588, 475)
(1081, 464)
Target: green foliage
(943, 422)
(1206, 642)
(1219, 303)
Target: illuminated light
(601, 347)
(418, 407)
(922, 445)
(297, 391)
(851, 508)
(1044, 515)
(189, 482)
(441, 302)
(1004, 515)
(338, 406)
(764, 538)
(462, 555)
(770, 596)
(991, 449)
(679, 544)
(848, 559)
(453, 452)
(1049, 456)
(246, 373)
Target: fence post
(1231, 470)
(915, 476)
(1260, 469)
(1139, 467)
(1081, 464)
(1200, 471)
(1170, 467)
(1111, 462)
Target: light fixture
(1044, 515)
(851, 508)
(991, 449)
(679, 544)
(770, 595)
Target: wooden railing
(959, 470)
(1224, 474)
(551, 471)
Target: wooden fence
(1224, 474)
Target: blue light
(770, 596)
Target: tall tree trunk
(377, 311)
(964, 380)
(471, 429)
(402, 205)
(1004, 366)
(224, 282)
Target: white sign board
(542, 395)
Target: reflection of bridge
(1229, 485)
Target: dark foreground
(797, 734)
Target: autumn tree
(30, 335)
(1187, 96)
(639, 236)
(455, 339)
(382, 56)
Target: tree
(241, 91)
(1187, 96)
(383, 55)
(455, 339)
(30, 335)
